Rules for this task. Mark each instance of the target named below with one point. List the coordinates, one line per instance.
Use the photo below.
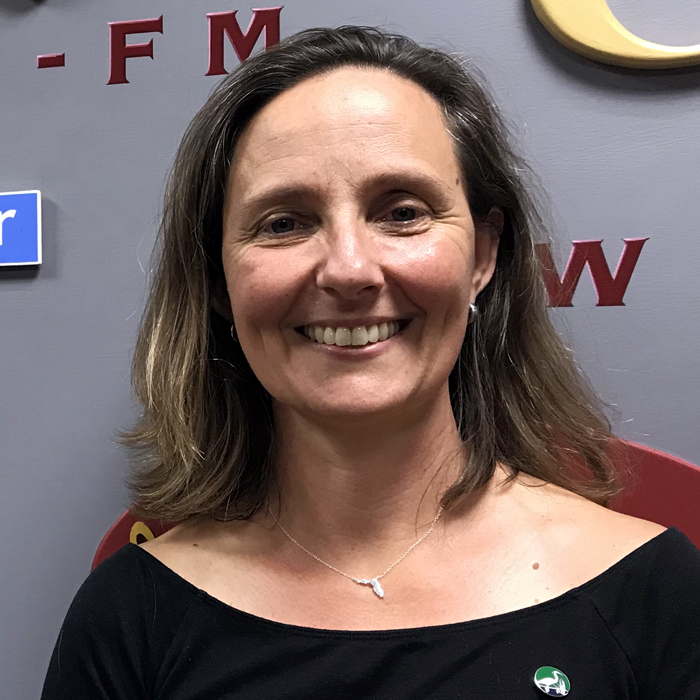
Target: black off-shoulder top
(136, 630)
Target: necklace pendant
(376, 586)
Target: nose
(350, 266)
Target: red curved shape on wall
(659, 487)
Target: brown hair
(203, 443)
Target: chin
(356, 410)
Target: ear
(220, 301)
(487, 232)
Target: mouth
(356, 336)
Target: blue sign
(20, 228)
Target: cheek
(437, 273)
(262, 286)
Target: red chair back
(128, 528)
(659, 487)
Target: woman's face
(346, 221)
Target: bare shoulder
(216, 557)
(584, 537)
(602, 523)
(189, 548)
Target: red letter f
(119, 50)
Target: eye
(282, 225)
(405, 217)
(404, 214)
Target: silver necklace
(374, 582)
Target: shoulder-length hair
(204, 440)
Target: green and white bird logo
(551, 681)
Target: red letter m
(219, 22)
(610, 288)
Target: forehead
(343, 123)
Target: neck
(365, 487)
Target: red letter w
(219, 22)
(610, 288)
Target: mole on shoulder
(536, 565)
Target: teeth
(343, 336)
(359, 335)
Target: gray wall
(618, 153)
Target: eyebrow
(396, 180)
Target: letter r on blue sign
(20, 228)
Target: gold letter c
(139, 528)
(589, 28)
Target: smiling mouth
(357, 336)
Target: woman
(389, 474)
